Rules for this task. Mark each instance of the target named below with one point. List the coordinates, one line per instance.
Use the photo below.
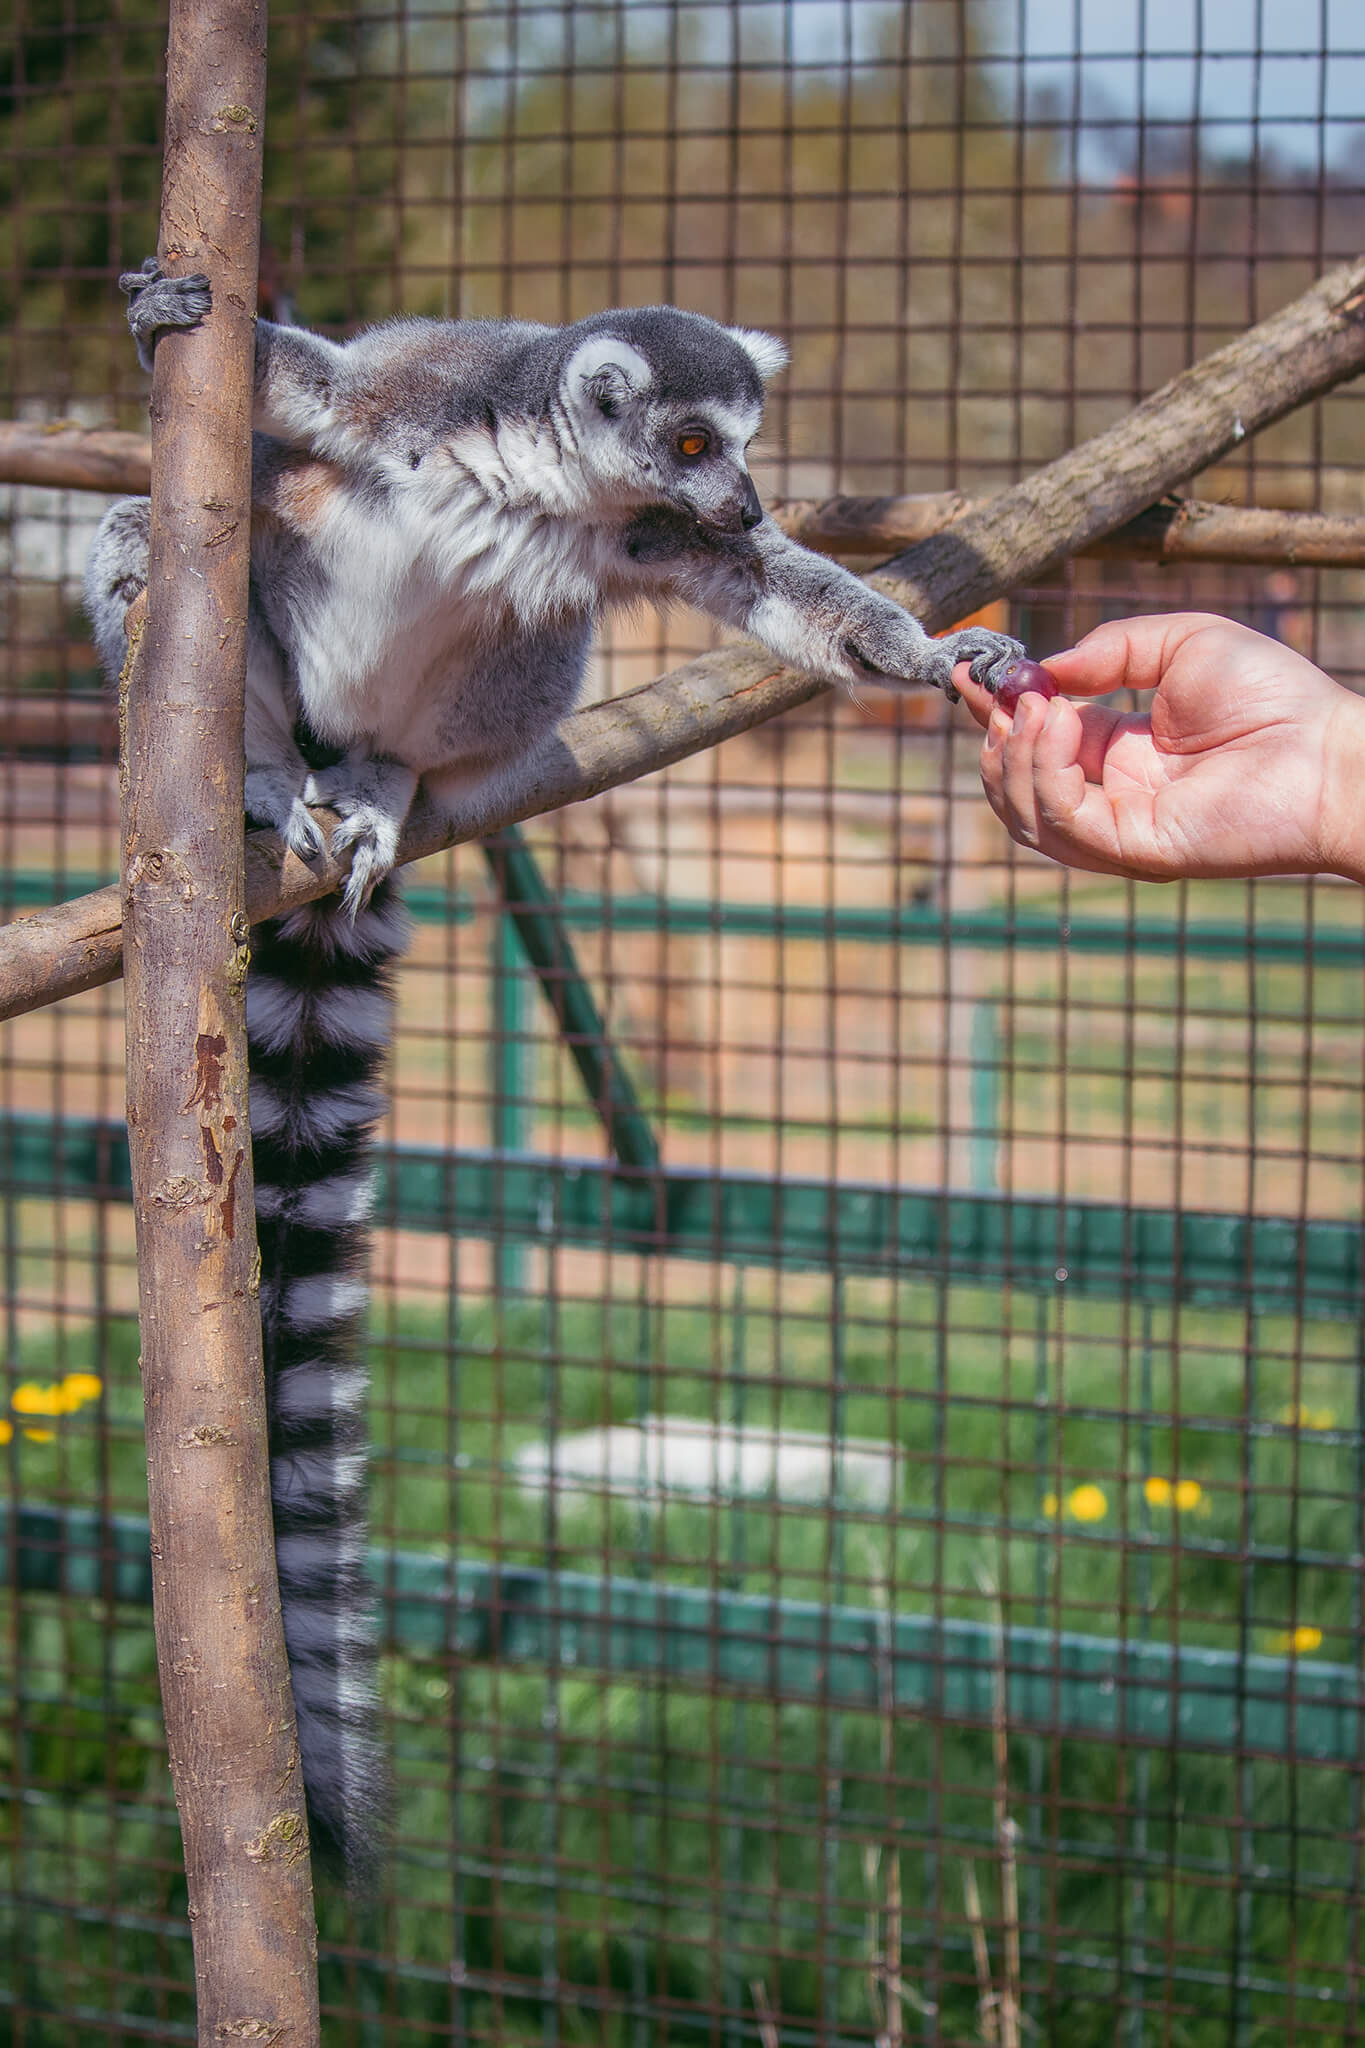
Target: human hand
(1250, 761)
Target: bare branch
(1175, 530)
(1301, 352)
(220, 1642)
(69, 457)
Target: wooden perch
(220, 1642)
(1312, 345)
(79, 458)
(1175, 530)
(69, 457)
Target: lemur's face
(669, 423)
(698, 462)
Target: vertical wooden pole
(220, 1644)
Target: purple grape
(1021, 676)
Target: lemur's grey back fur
(441, 513)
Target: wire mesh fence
(868, 1406)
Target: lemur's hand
(156, 303)
(1249, 761)
(880, 642)
(987, 654)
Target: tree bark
(69, 457)
(1174, 530)
(1301, 352)
(220, 1643)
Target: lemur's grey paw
(302, 833)
(988, 655)
(369, 827)
(373, 839)
(271, 802)
(156, 302)
(368, 869)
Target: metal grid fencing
(868, 1398)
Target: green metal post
(532, 909)
(510, 1085)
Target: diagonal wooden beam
(1306, 349)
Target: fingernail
(1021, 714)
(996, 729)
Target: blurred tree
(81, 101)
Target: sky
(1200, 59)
(1175, 60)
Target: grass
(617, 1849)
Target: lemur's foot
(270, 801)
(373, 839)
(372, 798)
(988, 655)
(156, 302)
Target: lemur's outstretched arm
(296, 372)
(808, 610)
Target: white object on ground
(674, 1456)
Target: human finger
(1074, 815)
(1128, 654)
(1018, 797)
(1036, 782)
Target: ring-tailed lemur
(442, 511)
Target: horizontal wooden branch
(69, 457)
(75, 458)
(1174, 530)
(1309, 347)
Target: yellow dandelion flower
(29, 1398)
(41, 1436)
(1087, 1503)
(1300, 1641)
(1050, 1506)
(80, 1387)
(6, 1431)
(1185, 1494)
(1304, 1417)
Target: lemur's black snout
(739, 512)
(751, 511)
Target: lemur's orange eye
(693, 443)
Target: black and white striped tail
(318, 1025)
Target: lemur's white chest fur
(409, 591)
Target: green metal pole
(533, 911)
(510, 1088)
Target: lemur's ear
(767, 354)
(605, 374)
